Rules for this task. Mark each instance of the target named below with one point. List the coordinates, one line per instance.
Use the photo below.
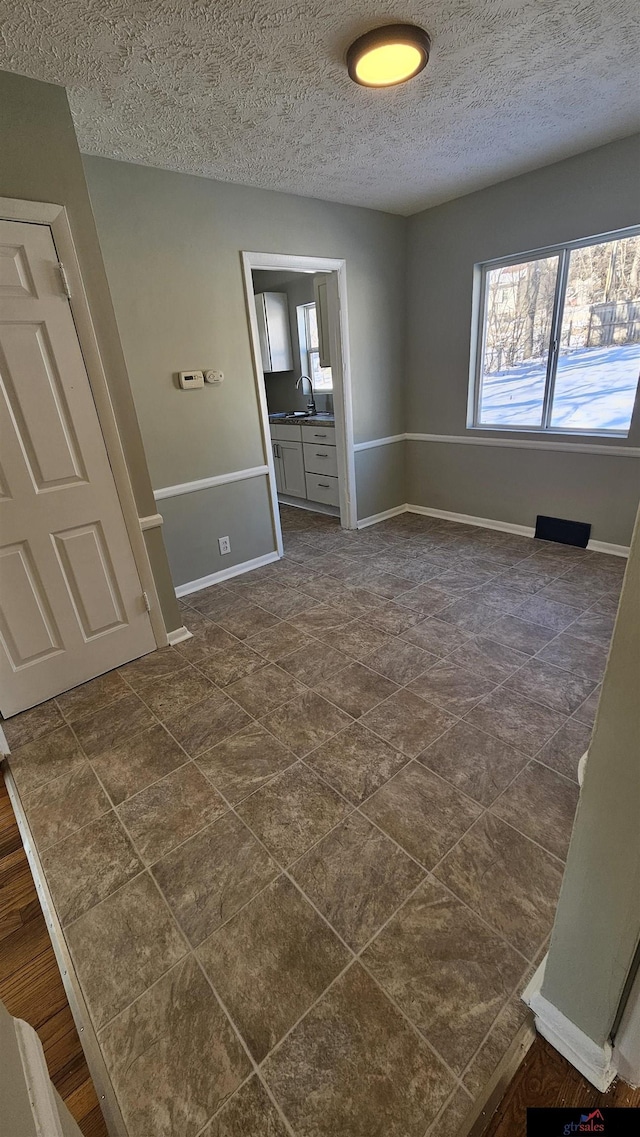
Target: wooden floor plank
(31, 987)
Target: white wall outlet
(215, 377)
(189, 379)
(224, 544)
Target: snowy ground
(595, 390)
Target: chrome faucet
(311, 404)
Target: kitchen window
(310, 348)
(558, 341)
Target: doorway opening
(299, 335)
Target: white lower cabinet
(289, 463)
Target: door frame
(56, 219)
(341, 377)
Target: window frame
(479, 325)
(303, 341)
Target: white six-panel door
(71, 602)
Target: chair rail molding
(210, 483)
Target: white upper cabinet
(272, 310)
(320, 284)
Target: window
(310, 349)
(559, 339)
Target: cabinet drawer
(319, 433)
(285, 432)
(322, 489)
(320, 459)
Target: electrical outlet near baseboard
(224, 544)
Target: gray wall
(597, 925)
(592, 193)
(172, 244)
(41, 162)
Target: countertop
(303, 420)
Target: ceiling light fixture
(387, 56)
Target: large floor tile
(503, 1032)
(209, 722)
(133, 765)
(543, 683)
(313, 661)
(488, 658)
(356, 689)
(354, 1067)
(445, 969)
(515, 720)
(172, 1056)
(246, 620)
(564, 751)
(356, 640)
(579, 656)
(280, 641)
(547, 613)
(264, 689)
(210, 876)
(426, 599)
(245, 761)
(392, 618)
(452, 1115)
(400, 661)
(542, 805)
(476, 763)
(174, 693)
(34, 723)
(294, 811)
(523, 635)
(356, 762)
(437, 637)
(306, 722)
(167, 812)
(114, 725)
(452, 688)
(249, 1113)
(155, 665)
(88, 866)
(357, 878)
(270, 962)
(121, 946)
(230, 663)
(587, 712)
(92, 696)
(58, 808)
(424, 814)
(474, 615)
(44, 758)
(408, 722)
(509, 881)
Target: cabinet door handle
(319, 436)
(324, 485)
(321, 455)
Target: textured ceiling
(257, 92)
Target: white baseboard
(508, 527)
(376, 517)
(178, 635)
(225, 574)
(594, 1062)
(307, 504)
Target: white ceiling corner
(257, 93)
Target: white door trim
(55, 216)
(294, 263)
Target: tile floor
(306, 860)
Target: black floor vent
(564, 532)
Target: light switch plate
(189, 379)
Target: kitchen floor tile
(587, 712)
(424, 814)
(305, 723)
(174, 693)
(34, 723)
(313, 661)
(230, 663)
(515, 720)
(541, 804)
(92, 696)
(136, 764)
(356, 689)
(249, 1113)
(58, 808)
(155, 665)
(445, 969)
(294, 811)
(521, 634)
(543, 683)
(581, 657)
(547, 613)
(270, 962)
(356, 640)
(265, 689)
(246, 620)
(354, 1066)
(451, 688)
(407, 722)
(476, 763)
(356, 762)
(166, 813)
(88, 866)
(245, 762)
(46, 757)
(122, 945)
(509, 881)
(208, 722)
(212, 875)
(113, 725)
(436, 636)
(400, 661)
(564, 751)
(357, 878)
(172, 1056)
(280, 641)
(488, 658)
